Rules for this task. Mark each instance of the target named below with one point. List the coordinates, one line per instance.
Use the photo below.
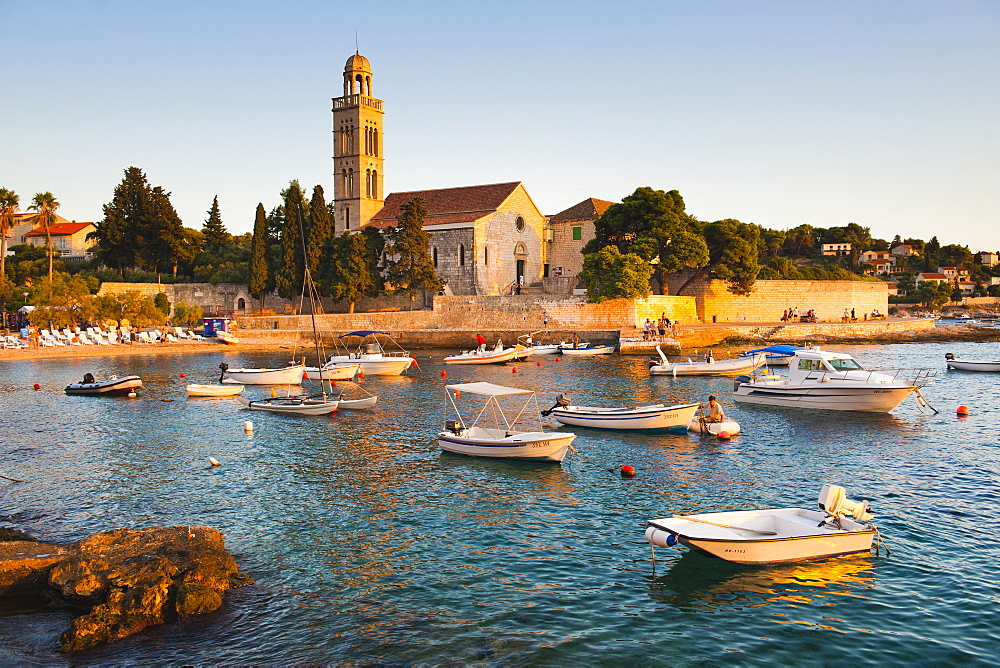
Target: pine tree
(412, 268)
(259, 283)
(348, 275)
(117, 245)
(319, 230)
(162, 234)
(216, 235)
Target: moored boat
(196, 390)
(971, 365)
(587, 350)
(775, 535)
(372, 354)
(827, 380)
(777, 355)
(289, 375)
(496, 355)
(653, 417)
(707, 367)
(699, 426)
(226, 337)
(333, 371)
(494, 433)
(113, 385)
(303, 405)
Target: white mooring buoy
(214, 462)
(248, 427)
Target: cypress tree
(319, 230)
(292, 269)
(259, 283)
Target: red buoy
(443, 373)
(724, 435)
(538, 364)
(36, 386)
(963, 410)
(305, 375)
(183, 375)
(513, 370)
(361, 375)
(628, 471)
(557, 359)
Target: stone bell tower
(357, 148)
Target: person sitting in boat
(88, 378)
(481, 340)
(715, 412)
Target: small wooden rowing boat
(195, 390)
(289, 375)
(656, 416)
(589, 350)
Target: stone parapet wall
(771, 298)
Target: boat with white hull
(334, 372)
(495, 355)
(196, 390)
(372, 355)
(588, 350)
(826, 380)
(495, 431)
(971, 365)
(291, 405)
(289, 375)
(775, 535)
(699, 426)
(656, 416)
(777, 355)
(707, 367)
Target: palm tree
(8, 207)
(45, 204)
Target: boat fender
(739, 380)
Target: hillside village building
(69, 238)
(569, 232)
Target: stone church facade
(485, 239)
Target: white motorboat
(334, 372)
(656, 416)
(971, 365)
(372, 355)
(496, 355)
(553, 348)
(303, 405)
(195, 390)
(707, 367)
(113, 385)
(831, 381)
(775, 535)
(496, 432)
(289, 375)
(777, 355)
(588, 350)
(699, 426)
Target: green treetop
(610, 274)
(412, 268)
(216, 235)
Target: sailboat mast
(312, 302)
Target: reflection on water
(704, 582)
(368, 544)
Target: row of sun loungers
(96, 336)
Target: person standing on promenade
(545, 319)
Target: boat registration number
(540, 444)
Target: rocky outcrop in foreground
(125, 580)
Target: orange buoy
(305, 375)
(443, 373)
(274, 393)
(557, 359)
(628, 471)
(513, 370)
(963, 410)
(457, 392)
(333, 383)
(361, 375)
(538, 364)
(36, 386)
(724, 435)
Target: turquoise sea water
(370, 546)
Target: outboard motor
(561, 401)
(739, 380)
(224, 367)
(453, 426)
(833, 500)
(949, 356)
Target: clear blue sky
(772, 112)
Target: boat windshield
(845, 365)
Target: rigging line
(312, 302)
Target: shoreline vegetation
(940, 334)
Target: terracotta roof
(588, 209)
(59, 229)
(447, 205)
(932, 275)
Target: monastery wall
(771, 298)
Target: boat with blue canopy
(776, 355)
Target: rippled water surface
(370, 546)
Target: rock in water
(134, 578)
